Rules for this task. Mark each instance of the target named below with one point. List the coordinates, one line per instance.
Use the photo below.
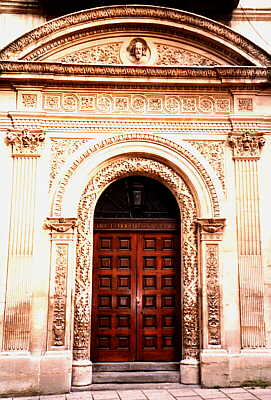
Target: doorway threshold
(131, 386)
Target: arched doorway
(136, 273)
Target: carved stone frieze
(61, 149)
(101, 54)
(173, 55)
(29, 101)
(255, 75)
(245, 104)
(60, 295)
(25, 142)
(246, 146)
(60, 224)
(191, 21)
(214, 153)
(117, 169)
(178, 149)
(213, 294)
(104, 102)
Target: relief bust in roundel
(135, 51)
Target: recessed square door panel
(135, 297)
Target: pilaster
(60, 309)
(211, 234)
(26, 146)
(246, 153)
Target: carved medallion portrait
(138, 51)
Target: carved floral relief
(214, 153)
(213, 295)
(59, 313)
(61, 149)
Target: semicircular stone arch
(107, 174)
(178, 149)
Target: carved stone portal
(118, 169)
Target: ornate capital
(25, 142)
(211, 228)
(246, 146)
(60, 225)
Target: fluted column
(246, 153)
(17, 319)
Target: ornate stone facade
(109, 93)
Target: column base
(81, 373)
(189, 371)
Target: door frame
(116, 169)
(141, 226)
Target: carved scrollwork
(25, 142)
(107, 174)
(59, 313)
(213, 295)
(246, 146)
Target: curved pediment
(135, 35)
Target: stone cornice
(143, 13)
(44, 71)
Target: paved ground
(184, 393)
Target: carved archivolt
(114, 170)
(178, 149)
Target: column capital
(25, 142)
(246, 146)
(211, 228)
(61, 228)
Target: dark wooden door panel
(114, 299)
(156, 289)
(135, 297)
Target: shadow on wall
(220, 10)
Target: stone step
(136, 377)
(135, 366)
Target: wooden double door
(135, 301)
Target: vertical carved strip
(213, 295)
(211, 233)
(59, 313)
(246, 152)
